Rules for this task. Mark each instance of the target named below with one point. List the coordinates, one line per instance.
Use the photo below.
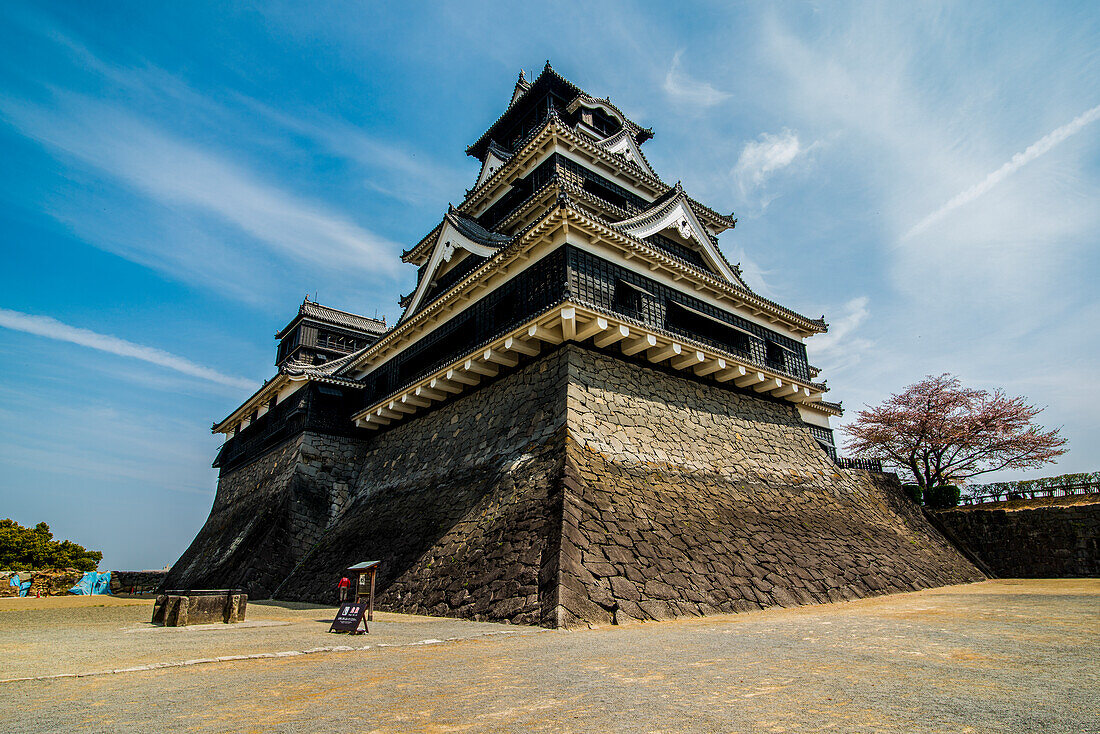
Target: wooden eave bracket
(572, 323)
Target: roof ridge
(340, 310)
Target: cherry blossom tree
(941, 432)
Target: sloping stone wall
(461, 505)
(1046, 542)
(580, 489)
(268, 513)
(684, 498)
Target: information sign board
(349, 617)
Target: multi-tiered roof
(568, 234)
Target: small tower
(319, 333)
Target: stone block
(180, 610)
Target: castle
(583, 416)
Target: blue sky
(177, 176)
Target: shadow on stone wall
(1045, 542)
(580, 489)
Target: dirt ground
(998, 656)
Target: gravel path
(90, 635)
(999, 656)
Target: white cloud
(54, 329)
(1002, 295)
(840, 347)
(761, 158)
(683, 88)
(175, 172)
(1033, 151)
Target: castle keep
(584, 415)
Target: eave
(721, 289)
(484, 276)
(260, 396)
(566, 218)
(548, 76)
(286, 375)
(420, 252)
(570, 322)
(553, 131)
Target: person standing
(343, 588)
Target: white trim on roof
(492, 164)
(446, 243)
(677, 214)
(623, 144)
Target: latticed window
(628, 299)
(594, 282)
(775, 355)
(685, 321)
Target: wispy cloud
(1018, 161)
(840, 347)
(176, 172)
(395, 170)
(766, 155)
(684, 88)
(54, 329)
(756, 275)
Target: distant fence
(857, 463)
(983, 494)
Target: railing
(592, 283)
(983, 495)
(874, 465)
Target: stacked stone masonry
(683, 498)
(268, 513)
(1045, 542)
(580, 489)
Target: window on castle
(692, 323)
(775, 355)
(604, 192)
(504, 310)
(627, 298)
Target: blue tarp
(93, 583)
(23, 586)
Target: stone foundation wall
(581, 489)
(461, 505)
(1047, 542)
(684, 498)
(138, 582)
(268, 514)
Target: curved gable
(677, 215)
(451, 237)
(622, 143)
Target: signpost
(359, 609)
(364, 574)
(349, 617)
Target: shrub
(913, 492)
(942, 496)
(33, 549)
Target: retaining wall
(268, 513)
(580, 489)
(684, 498)
(1044, 542)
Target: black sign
(349, 618)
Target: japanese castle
(567, 235)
